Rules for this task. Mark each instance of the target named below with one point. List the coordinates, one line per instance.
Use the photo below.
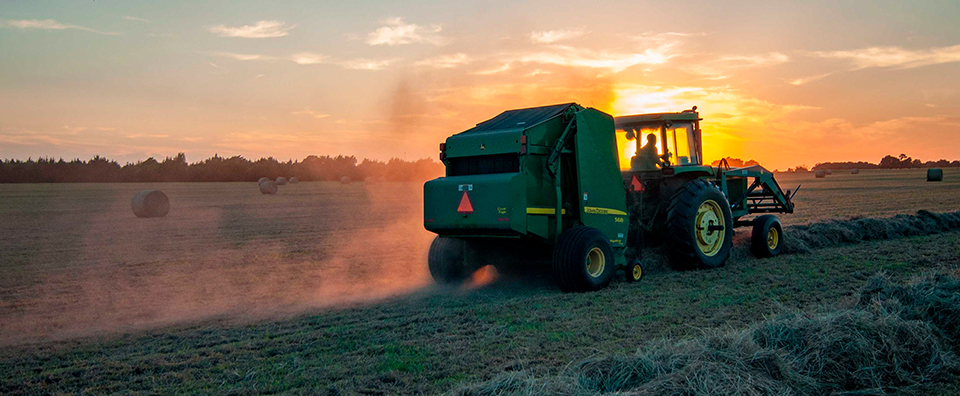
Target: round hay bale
(370, 180)
(381, 179)
(820, 174)
(855, 171)
(268, 187)
(294, 180)
(934, 174)
(828, 171)
(281, 181)
(345, 180)
(262, 179)
(150, 203)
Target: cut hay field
(872, 193)
(323, 289)
(76, 261)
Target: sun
(626, 148)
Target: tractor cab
(677, 138)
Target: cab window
(681, 145)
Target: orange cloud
(552, 36)
(50, 24)
(397, 32)
(262, 29)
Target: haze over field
(785, 84)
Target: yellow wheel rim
(709, 241)
(595, 262)
(773, 238)
(637, 272)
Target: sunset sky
(786, 83)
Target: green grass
(897, 338)
(433, 341)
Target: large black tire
(583, 260)
(447, 260)
(695, 208)
(767, 237)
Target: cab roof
(623, 122)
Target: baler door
(603, 199)
(485, 205)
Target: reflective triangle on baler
(465, 205)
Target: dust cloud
(224, 253)
(421, 109)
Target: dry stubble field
(76, 261)
(239, 292)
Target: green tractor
(544, 183)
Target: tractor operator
(647, 157)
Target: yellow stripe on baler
(544, 211)
(588, 209)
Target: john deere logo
(482, 147)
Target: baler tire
(682, 240)
(767, 237)
(571, 256)
(447, 261)
(633, 272)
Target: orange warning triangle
(465, 205)
(635, 184)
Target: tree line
(902, 161)
(214, 169)
(735, 162)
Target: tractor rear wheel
(767, 238)
(583, 260)
(699, 226)
(447, 260)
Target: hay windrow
(933, 298)
(805, 238)
(892, 342)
